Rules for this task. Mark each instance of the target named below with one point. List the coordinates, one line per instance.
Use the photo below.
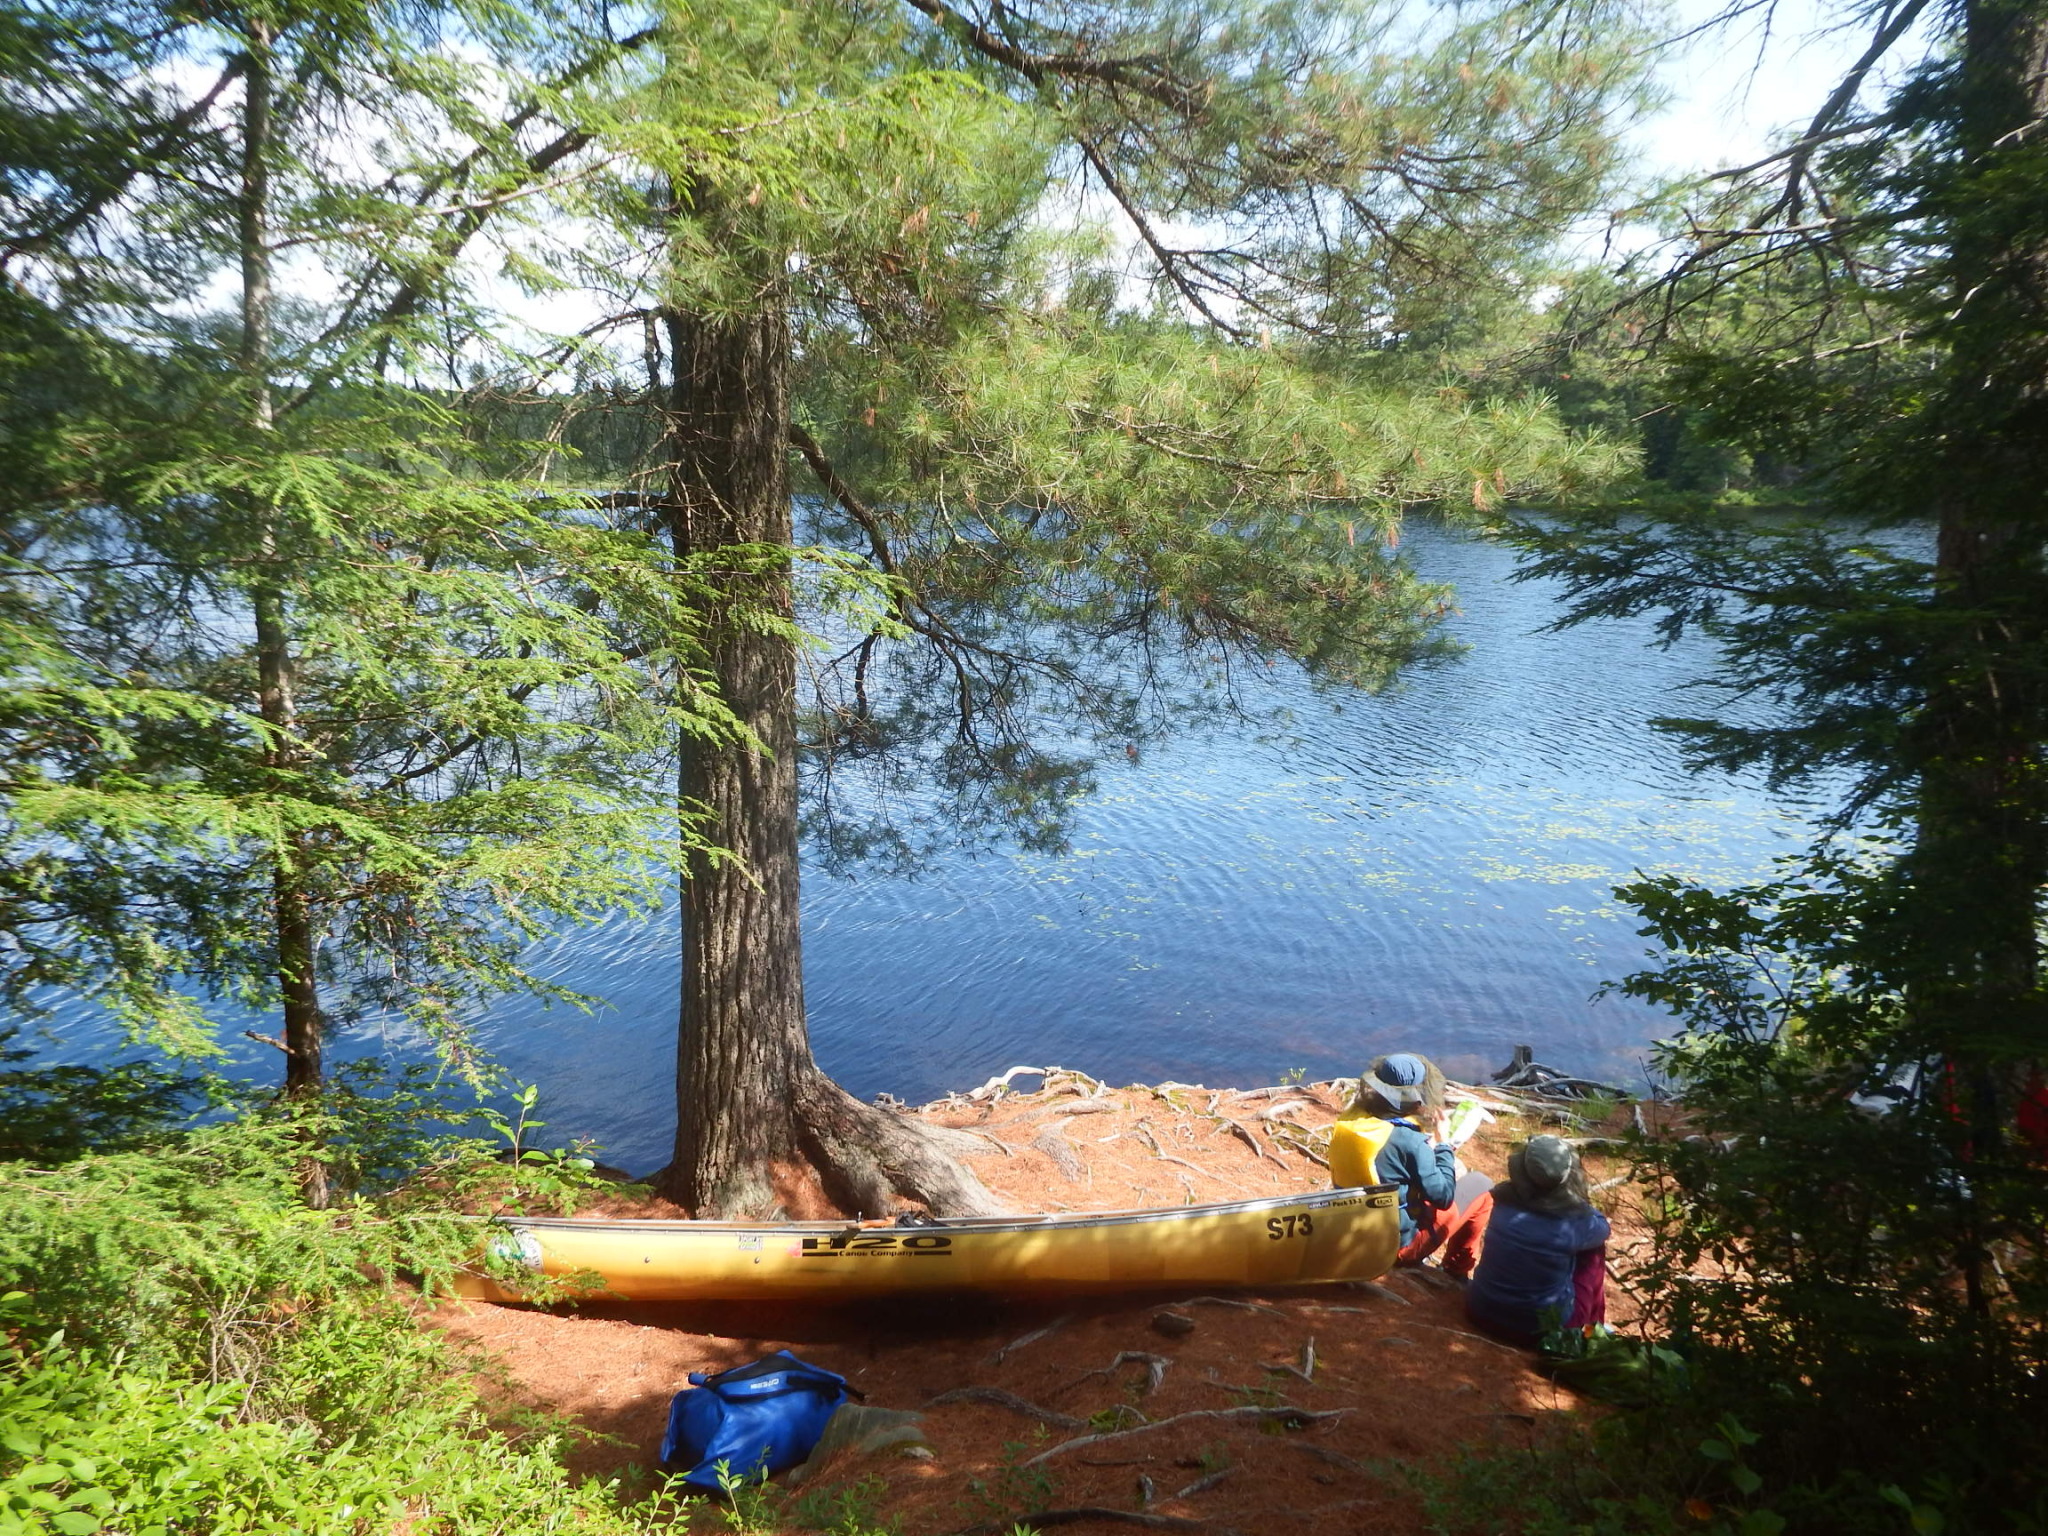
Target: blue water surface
(1427, 869)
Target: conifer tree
(1080, 477)
(1891, 260)
(1868, 1030)
(300, 708)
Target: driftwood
(1532, 1077)
(1057, 1079)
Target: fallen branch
(996, 1397)
(1289, 1418)
(1032, 1337)
(1204, 1484)
(1045, 1517)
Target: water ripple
(1430, 869)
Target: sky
(1731, 91)
(1735, 86)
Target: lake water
(1427, 869)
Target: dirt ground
(1384, 1373)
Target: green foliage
(852, 1509)
(189, 1349)
(473, 757)
(266, 626)
(1855, 1288)
(91, 1444)
(1628, 1476)
(1014, 1489)
(1107, 482)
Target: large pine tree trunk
(755, 1116)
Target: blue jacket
(1526, 1266)
(1426, 1172)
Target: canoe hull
(1338, 1234)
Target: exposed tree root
(1289, 1418)
(1044, 1517)
(996, 1397)
(871, 1158)
(1061, 1151)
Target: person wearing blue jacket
(1380, 1140)
(1544, 1264)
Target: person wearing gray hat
(1544, 1265)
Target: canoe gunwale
(1055, 1221)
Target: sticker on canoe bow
(517, 1246)
(872, 1245)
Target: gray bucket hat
(1545, 1174)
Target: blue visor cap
(1399, 1080)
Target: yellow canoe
(1334, 1234)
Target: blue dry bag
(755, 1419)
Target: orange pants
(1457, 1229)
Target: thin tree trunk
(756, 1118)
(276, 703)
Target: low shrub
(186, 1347)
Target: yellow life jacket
(1355, 1142)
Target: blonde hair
(1371, 1103)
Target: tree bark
(754, 1112)
(1979, 860)
(1980, 856)
(292, 906)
